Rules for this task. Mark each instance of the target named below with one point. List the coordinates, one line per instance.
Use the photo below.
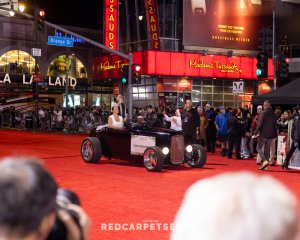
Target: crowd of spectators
(228, 128)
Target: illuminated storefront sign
(107, 67)
(184, 85)
(152, 23)
(169, 85)
(28, 80)
(180, 64)
(231, 66)
(111, 23)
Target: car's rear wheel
(197, 158)
(91, 150)
(153, 159)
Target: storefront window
(96, 101)
(101, 100)
(219, 92)
(145, 93)
(77, 100)
(207, 89)
(17, 62)
(59, 66)
(70, 101)
(218, 89)
(196, 95)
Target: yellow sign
(105, 66)
(231, 67)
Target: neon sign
(152, 23)
(231, 67)
(111, 23)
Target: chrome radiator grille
(177, 149)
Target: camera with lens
(63, 198)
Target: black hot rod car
(156, 146)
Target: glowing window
(62, 63)
(17, 62)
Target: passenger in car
(175, 121)
(115, 121)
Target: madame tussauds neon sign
(230, 67)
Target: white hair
(237, 206)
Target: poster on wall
(295, 160)
(281, 148)
(161, 100)
(231, 24)
(171, 99)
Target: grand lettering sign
(110, 23)
(29, 79)
(152, 23)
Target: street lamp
(21, 7)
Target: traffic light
(262, 65)
(283, 66)
(40, 19)
(136, 74)
(124, 74)
(266, 40)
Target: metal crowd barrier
(81, 122)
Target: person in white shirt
(41, 113)
(58, 114)
(115, 120)
(175, 121)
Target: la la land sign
(52, 81)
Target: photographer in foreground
(28, 204)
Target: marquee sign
(110, 23)
(152, 23)
(29, 79)
(180, 64)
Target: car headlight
(165, 151)
(189, 148)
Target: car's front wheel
(91, 150)
(153, 159)
(197, 157)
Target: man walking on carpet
(265, 132)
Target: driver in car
(115, 120)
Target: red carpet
(121, 192)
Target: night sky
(87, 14)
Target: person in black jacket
(211, 131)
(265, 132)
(235, 132)
(190, 122)
(295, 138)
